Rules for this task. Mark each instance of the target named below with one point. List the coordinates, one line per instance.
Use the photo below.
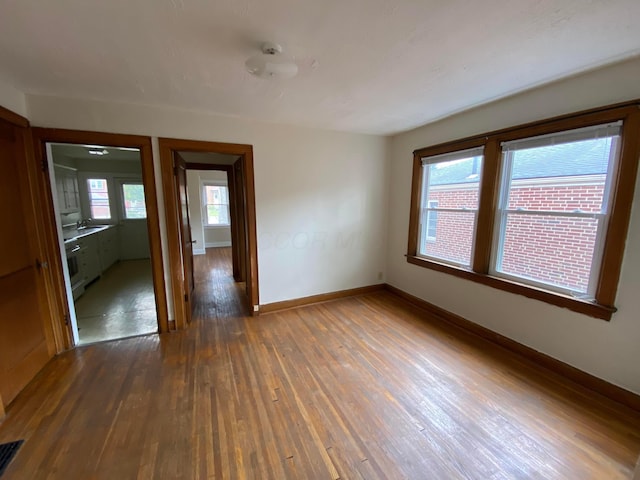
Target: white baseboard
(217, 244)
(199, 251)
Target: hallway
(363, 387)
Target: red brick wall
(556, 250)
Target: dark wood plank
(364, 387)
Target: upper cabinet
(67, 189)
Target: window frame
(87, 182)
(205, 216)
(134, 181)
(622, 184)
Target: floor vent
(7, 452)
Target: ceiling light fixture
(272, 63)
(99, 152)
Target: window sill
(581, 306)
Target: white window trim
(425, 208)
(120, 182)
(603, 217)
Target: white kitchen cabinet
(89, 258)
(109, 247)
(67, 189)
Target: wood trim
(209, 166)
(155, 243)
(488, 195)
(504, 133)
(54, 280)
(2, 412)
(320, 298)
(167, 147)
(252, 281)
(574, 374)
(615, 236)
(174, 245)
(414, 213)
(42, 136)
(12, 117)
(587, 308)
(53, 334)
(623, 188)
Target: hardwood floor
(364, 387)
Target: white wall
(321, 196)
(609, 350)
(12, 99)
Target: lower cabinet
(98, 252)
(89, 258)
(109, 247)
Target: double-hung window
(98, 191)
(554, 207)
(133, 200)
(540, 210)
(449, 205)
(215, 204)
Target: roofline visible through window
(615, 236)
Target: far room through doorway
(214, 224)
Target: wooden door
(239, 200)
(185, 233)
(25, 337)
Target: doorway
(179, 159)
(101, 193)
(100, 209)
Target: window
(432, 220)
(449, 205)
(99, 198)
(215, 204)
(554, 207)
(133, 201)
(540, 210)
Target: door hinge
(186, 297)
(66, 319)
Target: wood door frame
(56, 334)
(167, 148)
(42, 136)
(35, 231)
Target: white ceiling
(373, 66)
(81, 152)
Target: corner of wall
(13, 99)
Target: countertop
(76, 233)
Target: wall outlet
(256, 308)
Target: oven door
(73, 264)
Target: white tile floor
(120, 304)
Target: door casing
(42, 136)
(168, 147)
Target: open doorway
(210, 207)
(103, 234)
(100, 210)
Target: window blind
(577, 135)
(451, 156)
